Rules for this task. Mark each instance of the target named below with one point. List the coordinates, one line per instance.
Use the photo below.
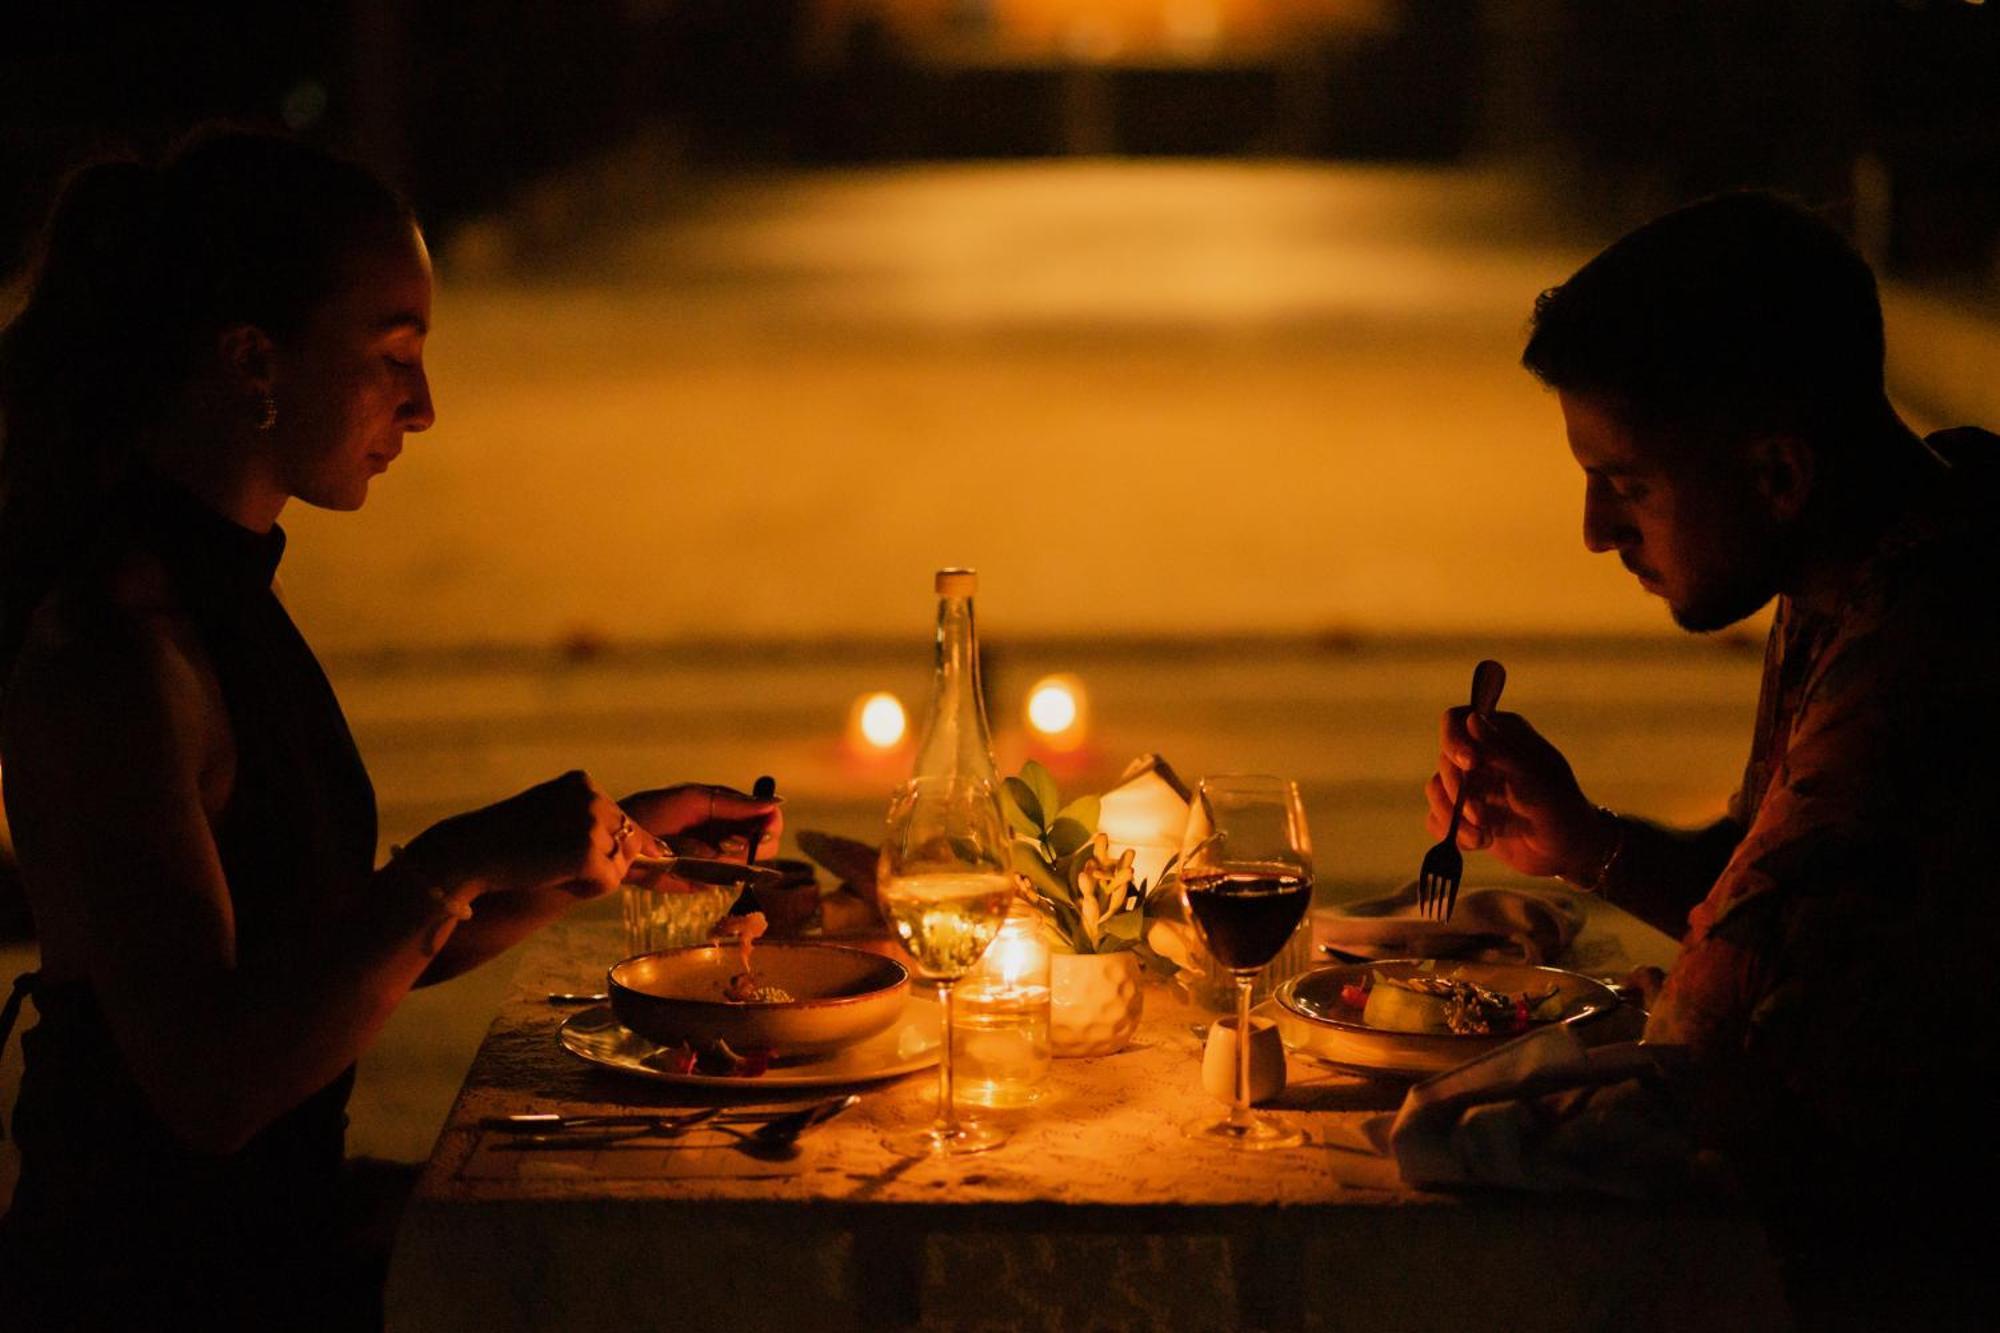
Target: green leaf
(1123, 926)
(1083, 810)
(1028, 861)
(1067, 866)
(1021, 801)
(1043, 908)
(1047, 799)
(1067, 837)
(1020, 822)
(1068, 924)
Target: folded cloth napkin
(1490, 925)
(1544, 1112)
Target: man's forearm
(1658, 874)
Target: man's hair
(1740, 315)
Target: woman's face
(351, 384)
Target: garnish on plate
(717, 1059)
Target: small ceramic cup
(1267, 1060)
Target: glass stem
(947, 1116)
(1240, 1116)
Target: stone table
(1097, 1213)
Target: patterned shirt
(1832, 983)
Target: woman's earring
(267, 413)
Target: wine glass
(944, 880)
(1246, 871)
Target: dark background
(1624, 107)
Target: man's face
(353, 382)
(1688, 522)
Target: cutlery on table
(666, 1122)
(578, 997)
(592, 1131)
(550, 1123)
(1444, 867)
(777, 1137)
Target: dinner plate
(911, 1044)
(1312, 1019)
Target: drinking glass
(1246, 871)
(944, 880)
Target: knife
(551, 1123)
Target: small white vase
(1095, 1005)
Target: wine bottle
(955, 741)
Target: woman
(196, 833)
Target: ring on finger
(623, 831)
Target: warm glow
(1052, 708)
(1147, 813)
(883, 721)
(1055, 707)
(1016, 956)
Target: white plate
(597, 1036)
(1312, 1020)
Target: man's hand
(1524, 804)
(700, 819)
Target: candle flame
(1055, 710)
(882, 720)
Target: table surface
(872, 1238)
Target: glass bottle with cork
(1000, 1043)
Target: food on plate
(714, 1058)
(743, 987)
(1449, 1004)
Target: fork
(1444, 867)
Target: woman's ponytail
(80, 366)
(80, 374)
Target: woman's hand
(700, 819)
(1524, 804)
(564, 834)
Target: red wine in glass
(1246, 915)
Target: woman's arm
(701, 820)
(110, 739)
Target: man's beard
(1719, 608)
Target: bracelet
(450, 910)
(1602, 875)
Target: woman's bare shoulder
(110, 646)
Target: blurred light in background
(878, 722)
(1056, 707)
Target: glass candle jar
(1000, 1017)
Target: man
(1719, 372)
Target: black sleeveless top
(109, 1201)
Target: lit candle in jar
(1000, 1017)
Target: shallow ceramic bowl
(839, 996)
(1314, 1020)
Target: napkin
(1546, 1113)
(1489, 925)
